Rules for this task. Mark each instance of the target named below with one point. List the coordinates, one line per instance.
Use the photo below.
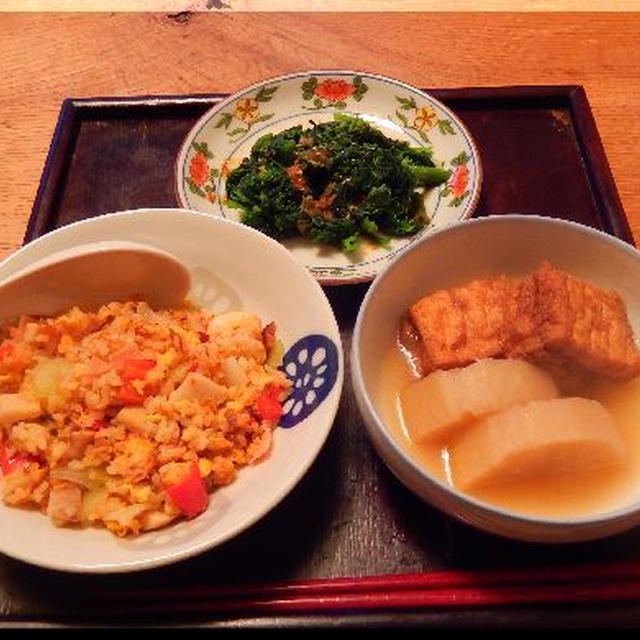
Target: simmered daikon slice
(541, 438)
(435, 407)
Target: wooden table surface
(47, 57)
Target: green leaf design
(214, 173)
(265, 94)
(423, 136)
(456, 202)
(194, 188)
(203, 148)
(318, 103)
(406, 103)
(461, 158)
(308, 87)
(266, 116)
(445, 127)
(402, 118)
(225, 120)
(237, 131)
(446, 190)
(340, 105)
(361, 88)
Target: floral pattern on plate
(225, 135)
(201, 177)
(421, 118)
(332, 92)
(458, 183)
(246, 113)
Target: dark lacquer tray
(349, 545)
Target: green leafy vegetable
(335, 183)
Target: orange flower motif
(199, 169)
(459, 181)
(334, 90)
(425, 118)
(225, 169)
(246, 109)
(211, 196)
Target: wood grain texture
(47, 57)
(317, 5)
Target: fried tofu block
(541, 438)
(549, 318)
(583, 327)
(460, 325)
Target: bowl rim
(379, 429)
(109, 215)
(192, 550)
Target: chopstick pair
(605, 582)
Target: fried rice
(129, 417)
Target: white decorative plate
(224, 136)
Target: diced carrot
(5, 349)
(128, 395)
(190, 494)
(11, 461)
(132, 369)
(136, 368)
(267, 405)
(5, 463)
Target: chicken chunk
(15, 407)
(199, 388)
(65, 503)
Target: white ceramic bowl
(232, 267)
(512, 244)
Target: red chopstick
(398, 599)
(585, 583)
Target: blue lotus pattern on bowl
(312, 366)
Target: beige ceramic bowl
(512, 244)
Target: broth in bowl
(563, 495)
